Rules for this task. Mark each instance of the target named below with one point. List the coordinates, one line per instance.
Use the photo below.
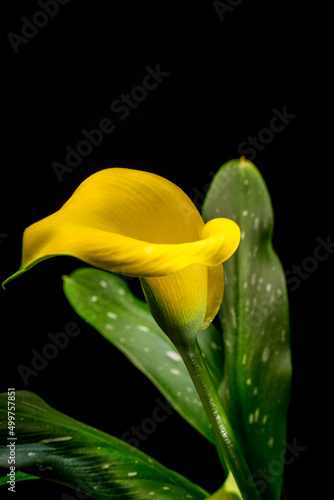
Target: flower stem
(226, 441)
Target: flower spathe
(140, 224)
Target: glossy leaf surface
(105, 301)
(56, 447)
(255, 322)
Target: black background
(225, 78)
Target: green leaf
(56, 447)
(105, 302)
(19, 476)
(255, 322)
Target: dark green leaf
(105, 302)
(54, 446)
(255, 322)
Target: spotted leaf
(104, 301)
(255, 322)
(53, 446)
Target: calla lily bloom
(139, 224)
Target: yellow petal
(140, 224)
(216, 283)
(178, 301)
(130, 222)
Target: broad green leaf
(56, 447)
(104, 301)
(255, 322)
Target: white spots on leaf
(174, 371)
(189, 389)
(264, 419)
(245, 213)
(214, 346)
(265, 354)
(31, 454)
(254, 301)
(217, 210)
(142, 328)
(179, 393)
(271, 442)
(242, 237)
(146, 349)
(244, 359)
(131, 474)
(228, 343)
(268, 287)
(94, 298)
(256, 222)
(121, 291)
(165, 487)
(104, 284)
(105, 466)
(55, 440)
(245, 285)
(234, 319)
(249, 381)
(246, 182)
(122, 340)
(112, 315)
(251, 418)
(253, 278)
(256, 414)
(283, 336)
(152, 493)
(109, 327)
(255, 391)
(174, 355)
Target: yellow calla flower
(139, 224)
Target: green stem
(226, 441)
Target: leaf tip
(243, 162)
